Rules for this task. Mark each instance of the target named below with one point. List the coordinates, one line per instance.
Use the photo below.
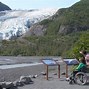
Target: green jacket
(80, 66)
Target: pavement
(53, 83)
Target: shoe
(67, 79)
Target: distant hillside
(63, 34)
(4, 7)
(68, 20)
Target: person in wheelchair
(82, 67)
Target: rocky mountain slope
(67, 20)
(63, 34)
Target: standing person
(86, 55)
(87, 59)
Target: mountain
(17, 22)
(68, 20)
(4, 7)
(62, 34)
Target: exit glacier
(17, 22)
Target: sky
(38, 4)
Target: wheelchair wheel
(81, 78)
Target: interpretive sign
(71, 61)
(50, 62)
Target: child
(81, 68)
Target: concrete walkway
(53, 83)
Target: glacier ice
(17, 22)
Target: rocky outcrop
(37, 30)
(67, 29)
(7, 85)
(13, 85)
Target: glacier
(17, 22)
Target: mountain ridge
(63, 34)
(69, 20)
(4, 7)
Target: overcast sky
(38, 4)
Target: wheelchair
(81, 78)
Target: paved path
(53, 83)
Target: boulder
(26, 79)
(18, 83)
(7, 85)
